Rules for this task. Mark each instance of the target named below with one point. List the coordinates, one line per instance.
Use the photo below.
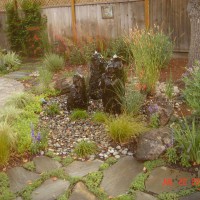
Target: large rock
(153, 143)
(44, 164)
(81, 192)
(19, 178)
(163, 179)
(63, 85)
(77, 98)
(118, 178)
(97, 68)
(81, 169)
(194, 196)
(144, 196)
(50, 190)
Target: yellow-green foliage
(79, 114)
(21, 100)
(7, 141)
(123, 128)
(100, 117)
(9, 114)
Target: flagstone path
(116, 181)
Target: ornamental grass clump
(192, 87)
(7, 142)
(85, 148)
(124, 128)
(152, 50)
(53, 62)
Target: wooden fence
(91, 19)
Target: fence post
(73, 20)
(147, 14)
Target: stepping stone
(193, 196)
(17, 75)
(81, 169)
(19, 178)
(50, 190)
(144, 196)
(118, 178)
(8, 88)
(18, 198)
(44, 164)
(81, 192)
(163, 179)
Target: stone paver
(194, 196)
(44, 164)
(144, 196)
(8, 87)
(50, 190)
(118, 178)
(81, 192)
(81, 169)
(18, 198)
(19, 178)
(17, 75)
(159, 176)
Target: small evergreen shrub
(53, 62)
(85, 148)
(123, 128)
(45, 78)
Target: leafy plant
(29, 166)
(7, 142)
(79, 114)
(100, 117)
(192, 87)
(187, 138)
(155, 120)
(172, 156)
(9, 62)
(85, 148)
(151, 51)
(5, 192)
(168, 196)
(123, 128)
(53, 109)
(53, 62)
(139, 182)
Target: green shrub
(192, 88)
(172, 156)
(151, 51)
(21, 100)
(123, 128)
(187, 138)
(53, 62)
(9, 62)
(7, 142)
(9, 114)
(100, 117)
(154, 120)
(169, 88)
(85, 148)
(53, 109)
(79, 114)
